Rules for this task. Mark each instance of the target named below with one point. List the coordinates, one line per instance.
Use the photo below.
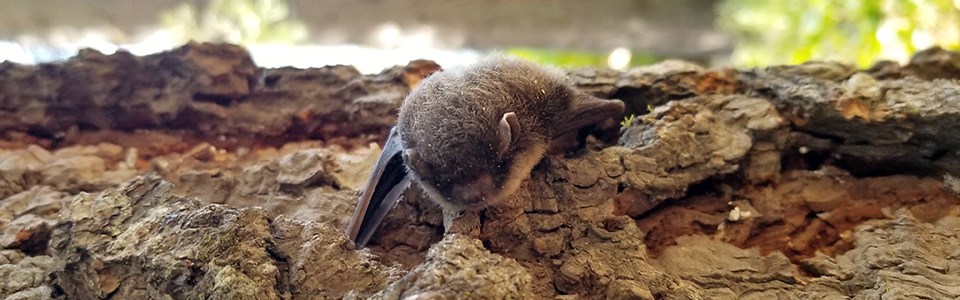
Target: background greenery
(765, 32)
(242, 22)
(861, 31)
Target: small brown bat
(469, 137)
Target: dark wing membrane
(587, 110)
(382, 191)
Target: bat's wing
(382, 191)
(587, 110)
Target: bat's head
(479, 168)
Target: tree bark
(810, 181)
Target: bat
(469, 137)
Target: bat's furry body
(469, 137)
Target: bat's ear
(507, 132)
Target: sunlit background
(373, 35)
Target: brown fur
(451, 121)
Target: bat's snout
(476, 191)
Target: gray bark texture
(193, 174)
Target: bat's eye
(412, 157)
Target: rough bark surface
(194, 174)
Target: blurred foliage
(243, 22)
(627, 120)
(574, 59)
(861, 31)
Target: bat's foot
(465, 223)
